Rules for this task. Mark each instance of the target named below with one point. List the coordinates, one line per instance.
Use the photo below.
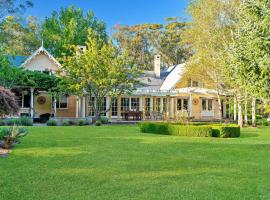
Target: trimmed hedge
(215, 130)
(174, 129)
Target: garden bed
(192, 130)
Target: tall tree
(69, 27)
(143, 41)
(19, 36)
(208, 36)
(99, 71)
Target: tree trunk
(219, 107)
(246, 110)
(235, 109)
(253, 109)
(240, 116)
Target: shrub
(98, 123)
(12, 135)
(104, 120)
(65, 123)
(226, 131)
(83, 122)
(26, 121)
(52, 122)
(3, 132)
(175, 129)
(12, 122)
(73, 122)
(2, 122)
(8, 103)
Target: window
(207, 104)
(62, 102)
(182, 104)
(114, 106)
(158, 104)
(147, 104)
(195, 84)
(102, 108)
(135, 104)
(124, 104)
(91, 106)
(164, 105)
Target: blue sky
(114, 12)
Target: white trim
(37, 52)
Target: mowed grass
(119, 162)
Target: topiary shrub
(226, 131)
(52, 122)
(194, 131)
(83, 122)
(72, 122)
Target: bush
(13, 121)
(26, 121)
(3, 132)
(203, 130)
(65, 123)
(52, 122)
(175, 129)
(226, 131)
(98, 123)
(12, 135)
(104, 120)
(83, 122)
(2, 122)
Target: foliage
(8, 103)
(19, 36)
(249, 52)
(51, 122)
(12, 135)
(143, 41)
(26, 121)
(104, 120)
(9, 7)
(226, 131)
(99, 71)
(182, 117)
(68, 27)
(83, 122)
(98, 123)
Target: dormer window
(192, 83)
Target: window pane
(135, 104)
(158, 106)
(164, 105)
(204, 104)
(147, 104)
(91, 106)
(210, 104)
(26, 100)
(185, 106)
(124, 104)
(195, 84)
(114, 106)
(179, 104)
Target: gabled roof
(39, 51)
(175, 75)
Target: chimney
(157, 66)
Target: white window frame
(59, 103)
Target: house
(161, 95)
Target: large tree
(143, 41)
(68, 27)
(250, 51)
(208, 36)
(99, 71)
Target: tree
(8, 103)
(69, 27)
(9, 7)
(101, 70)
(143, 41)
(208, 36)
(250, 51)
(19, 36)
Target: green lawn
(119, 162)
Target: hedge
(210, 130)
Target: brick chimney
(157, 66)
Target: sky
(113, 12)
